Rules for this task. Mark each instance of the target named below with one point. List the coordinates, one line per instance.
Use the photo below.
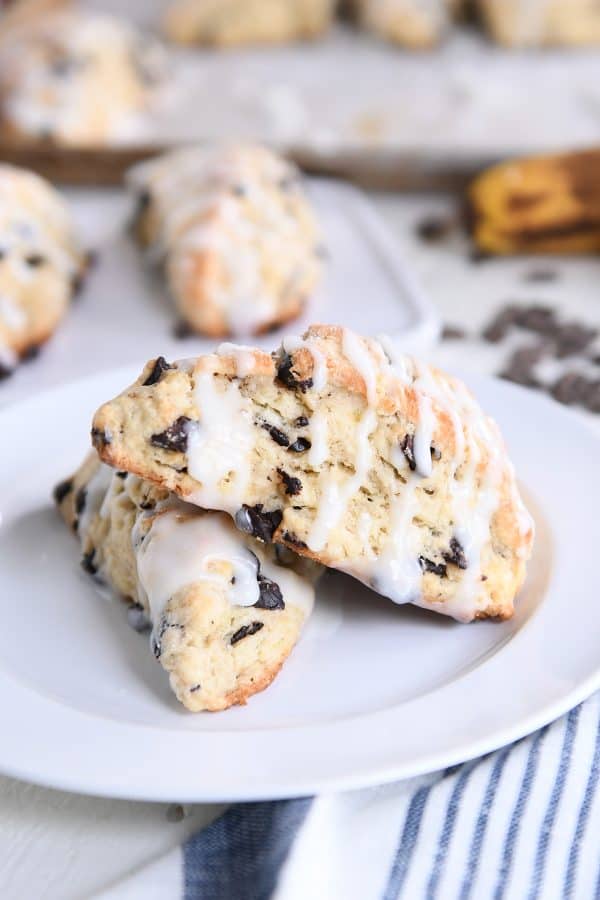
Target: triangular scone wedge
(225, 612)
(367, 462)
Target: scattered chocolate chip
(302, 421)
(434, 229)
(453, 333)
(285, 375)
(300, 445)
(278, 436)
(500, 324)
(519, 368)
(246, 631)
(137, 618)
(155, 640)
(182, 330)
(159, 368)
(292, 484)
(573, 338)
(518, 376)
(592, 397)
(538, 318)
(540, 276)
(80, 498)
(101, 438)
(261, 524)
(407, 446)
(195, 688)
(175, 437)
(62, 489)
(570, 389)
(35, 259)
(290, 538)
(427, 565)
(87, 562)
(270, 594)
(456, 554)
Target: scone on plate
(543, 204)
(41, 263)
(225, 612)
(520, 23)
(235, 233)
(77, 78)
(346, 452)
(227, 23)
(411, 23)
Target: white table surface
(56, 845)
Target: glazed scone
(235, 233)
(542, 204)
(225, 614)
(77, 78)
(523, 23)
(41, 263)
(363, 460)
(228, 23)
(418, 24)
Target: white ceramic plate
(373, 692)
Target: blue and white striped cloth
(523, 822)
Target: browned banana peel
(543, 204)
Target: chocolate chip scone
(76, 78)
(228, 23)
(523, 23)
(364, 460)
(411, 23)
(235, 232)
(224, 610)
(41, 263)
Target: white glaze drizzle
(95, 492)
(319, 436)
(244, 357)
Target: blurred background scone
(41, 263)
(232, 22)
(412, 23)
(236, 234)
(517, 23)
(77, 78)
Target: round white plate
(373, 692)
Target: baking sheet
(124, 316)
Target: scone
(225, 613)
(544, 204)
(227, 23)
(521, 23)
(235, 232)
(77, 78)
(411, 23)
(364, 460)
(41, 263)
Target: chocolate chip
(541, 275)
(519, 368)
(434, 229)
(137, 618)
(195, 688)
(147, 504)
(159, 368)
(122, 475)
(142, 202)
(261, 524)
(278, 436)
(101, 438)
(35, 259)
(428, 565)
(290, 538)
(538, 318)
(62, 489)
(156, 641)
(80, 498)
(500, 324)
(270, 594)
(573, 338)
(570, 389)
(456, 554)
(407, 446)
(5, 372)
(453, 333)
(246, 631)
(87, 562)
(435, 453)
(32, 352)
(302, 421)
(300, 445)
(77, 282)
(175, 437)
(284, 374)
(182, 330)
(292, 484)
(477, 255)
(592, 397)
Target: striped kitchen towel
(523, 822)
